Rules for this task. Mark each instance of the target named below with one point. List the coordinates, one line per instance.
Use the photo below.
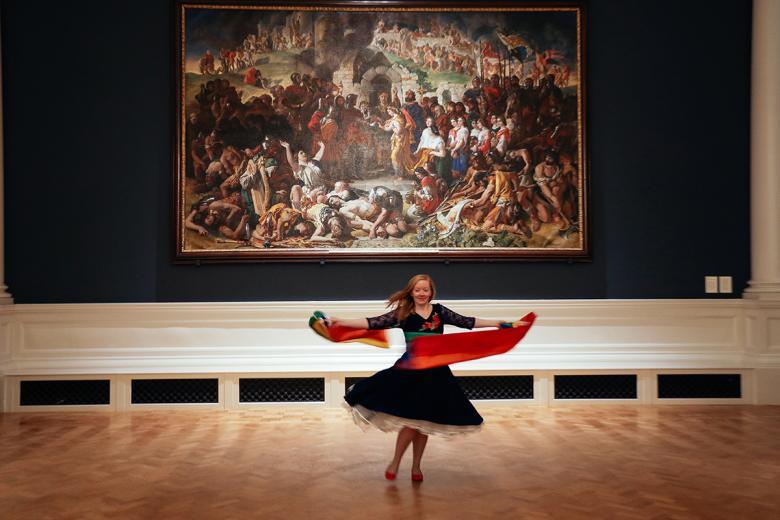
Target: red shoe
(389, 475)
(417, 477)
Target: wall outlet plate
(710, 284)
(725, 285)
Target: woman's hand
(511, 324)
(332, 320)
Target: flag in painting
(516, 44)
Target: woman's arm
(355, 323)
(466, 322)
(385, 321)
(480, 322)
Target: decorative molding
(273, 337)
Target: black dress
(428, 400)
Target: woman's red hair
(402, 300)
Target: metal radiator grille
(283, 389)
(172, 391)
(69, 392)
(701, 386)
(497, 387)
(595, 387)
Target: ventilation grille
(284, 390)
(699, 386)
(497, 387)
(57, 393)
(595, 387)
(171, 391)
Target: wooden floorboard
(641, 462)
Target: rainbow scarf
(435, 350)
(341, 334)
(426, 350)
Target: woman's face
(421, 292)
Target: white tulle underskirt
(366, 418)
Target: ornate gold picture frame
(361, 132)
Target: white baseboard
(334, 386)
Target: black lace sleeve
(453, 318)
(385, 321)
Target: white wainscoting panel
(269, 338)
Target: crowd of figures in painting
(422, 137)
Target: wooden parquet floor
(701, 462)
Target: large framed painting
(359, 131)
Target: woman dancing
(417, 403)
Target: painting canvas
(379, 132)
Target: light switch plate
(724, 282)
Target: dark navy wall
(88, 122)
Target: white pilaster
(765, 153)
